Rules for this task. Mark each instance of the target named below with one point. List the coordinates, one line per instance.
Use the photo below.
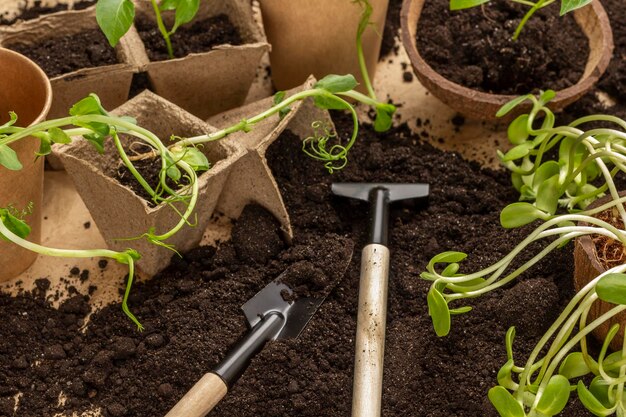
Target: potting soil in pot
(474, 47)
(39, 9)
(64, 54)
(195, 37)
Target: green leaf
(518, 130)
(192, 156)
(546, 96)
(555, 396)
(545, 171)
(612, 288)
(518, 152)
(504, 376)
(89, 105)
(438, 311)
(574, 366)
(465, 4)
(9, 159)
(15, 225)
(548, 195)
(45, 147)
(11, 122)
(508, 341)
(337, 83)
(450, 270)
(115, 17)
(505, 403)
(59, 136)
(384, 115)
(96, 140)
(278, 98)
(600, 390)
(590, 402)
(569, 5)
(173, 172)
(506, 108)
(329, 103)
(446, 257)
(460, 310)
(185, 12)
(168, 5)
(519, 214)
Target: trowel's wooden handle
(370, 333)
(201, 398)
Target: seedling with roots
(543, 385)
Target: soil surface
(64, 54)
(195, 37)
(474, 47)
(38, 9)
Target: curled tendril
(316, 146)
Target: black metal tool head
(380, 195)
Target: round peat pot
(319, 38)
(587, 266)
(25, 90)
(475, 104)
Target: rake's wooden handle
(370, 335)
(201, 398)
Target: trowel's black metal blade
(395, 191)
(273, 299)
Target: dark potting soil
(391, 30)
(37, 9)
(64, 54)
(198, 36)
(191, 310)
(474, 47)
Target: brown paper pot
(111, 82)
(251, 180)
(24, 89)
(207, 83)
(475, 104)
(118, 211)
(587, 267)
(319, 38)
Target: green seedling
(115, 17)
(566, 7)
(549, 189)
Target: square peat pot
(110, 82)
(210, 82)
(120, 213)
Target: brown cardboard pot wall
(207, 83)
(587, 267)
(319, 38)
(24, 89)
(118, 211)
(111, 82)
(593, 21)
(251, 180)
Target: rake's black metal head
(380, 195)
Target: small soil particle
(64, 54)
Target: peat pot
(24, 89)
(588, 266)
(319, 38)
(475, 104)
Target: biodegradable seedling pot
(206, 83)
(319, 38)
(251, 180)
(475, 104)
(111, 82)
(24, 89)
(118, 211)
(587, 266)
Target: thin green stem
(163, 29)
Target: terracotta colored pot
(24, 89)
(593, 21)
(587, 267)
(319, 38)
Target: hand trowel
(274, 313)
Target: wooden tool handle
(201, 398)
(370, 334)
